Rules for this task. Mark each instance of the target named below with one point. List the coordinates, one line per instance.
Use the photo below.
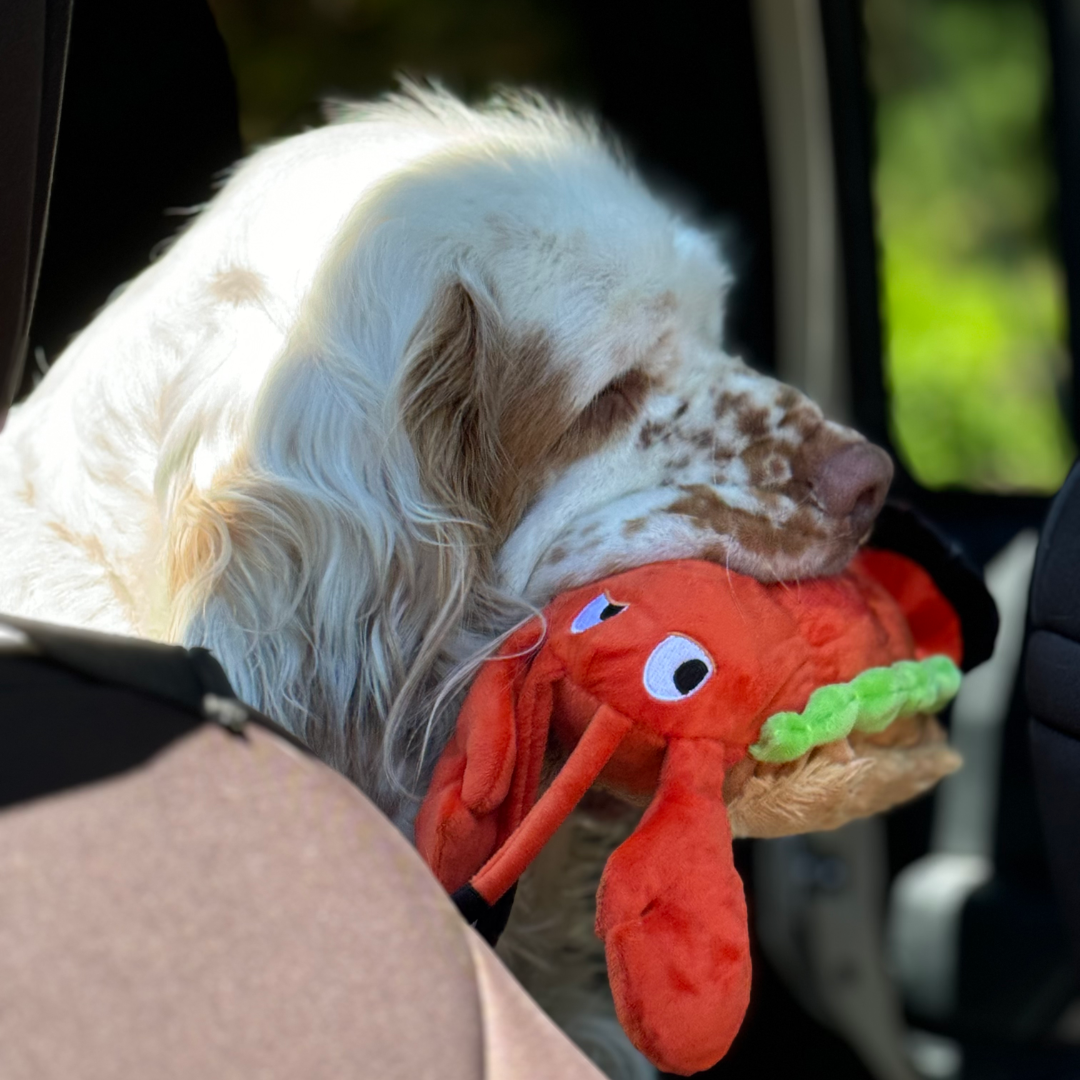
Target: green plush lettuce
(870, 702)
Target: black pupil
(611, 609)
(689, 674)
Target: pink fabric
(235, 909)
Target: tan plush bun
(839, 781)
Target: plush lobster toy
(729, 706)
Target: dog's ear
(487, 410)
(330, 586)
(488, 776)
(447, 410)
(332, 556)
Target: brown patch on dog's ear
(489, 415)
(482, 411)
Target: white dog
(404, 377)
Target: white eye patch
(677, 668)
(596, 611)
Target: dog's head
(568, 384)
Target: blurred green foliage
(973, 299)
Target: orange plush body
(656, 684)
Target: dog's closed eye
(616, 405)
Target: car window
(973, 294)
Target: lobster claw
(672, 913)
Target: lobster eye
(677, 668)
(595, 611)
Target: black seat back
(1053, 693)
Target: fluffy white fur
(404, 377)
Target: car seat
(1053, 694)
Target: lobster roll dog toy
(730, 708)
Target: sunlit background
(973, 295)
(973, 300)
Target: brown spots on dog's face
(752, 532)
(702, 439)
(237, 286)
(767, 463)
(739, 469)
(652, 432)
(730, 402)
(754, 423)
(747, 481)
(802, 421)
(800, 418)
(788, 397)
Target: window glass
(973, 298)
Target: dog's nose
(851, 482)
